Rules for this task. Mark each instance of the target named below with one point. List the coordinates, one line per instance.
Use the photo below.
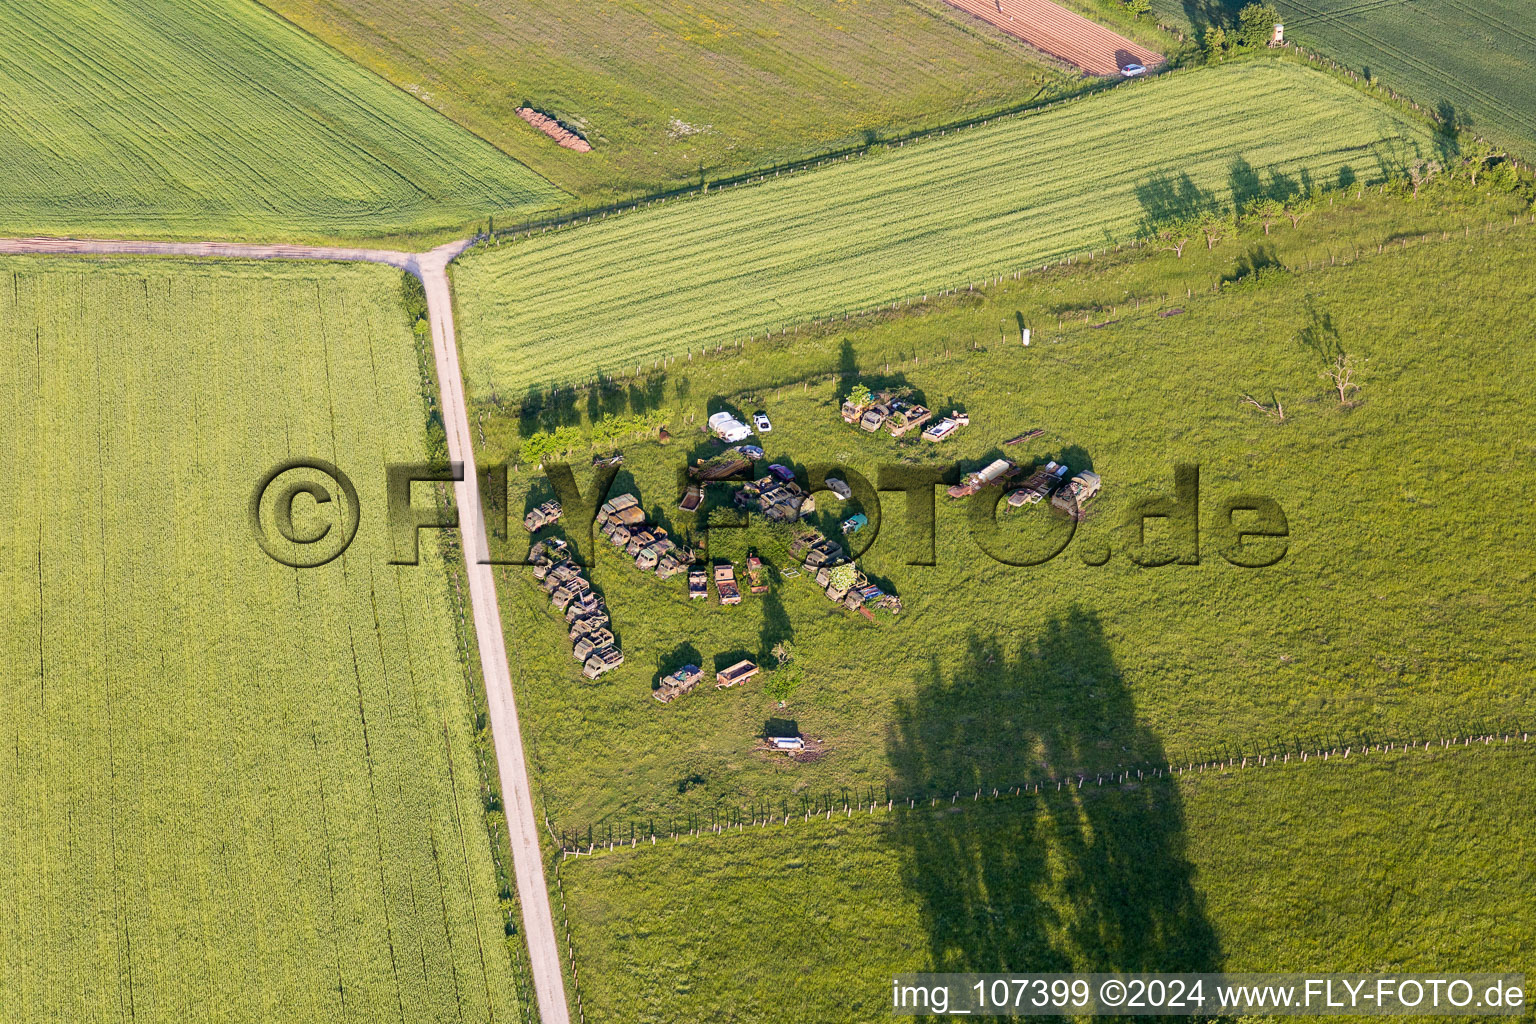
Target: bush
(1255, 22)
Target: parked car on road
(1132, 70)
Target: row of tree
(1471, 164)
(1255, 22)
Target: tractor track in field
(432, 268)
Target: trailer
(725, 584)
(1039, 485)
(736, 674)
(756, 576)
(994, 472)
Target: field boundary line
(432, 269)
(1069, 782)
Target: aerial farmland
(287, 751)
(890, 227)
(531, 512)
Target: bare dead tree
(1212, 229)
(1176, 241)
(1341, 373)
(1420, 171)
(1275, 412)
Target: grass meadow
(234, 791)
(603, 297)
(1472, 61)
(1397, 607)
(217, 119)
(668, 90)
(1392, 862)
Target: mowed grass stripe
(228, 782)
(854, 235)
(215, 118)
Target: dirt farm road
(432, 268)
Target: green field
(668, 89)
(233, 791)
(1398, 606)
(1393, 862)
(214, 118)
(941, 213)
(1472, 60)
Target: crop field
(627, 290)
(233, 791)
(1476, 61)
(668, 90)
(215, 118)
(1391, 862)
(1395, 608)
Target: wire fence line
(570, 946)
(612, 836)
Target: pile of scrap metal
(622, 520)
(1069, 495)
(730, 463)
(592, 641)
(777, 495)
(859, 594)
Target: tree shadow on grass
(1090, 879)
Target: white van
(728, 428)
